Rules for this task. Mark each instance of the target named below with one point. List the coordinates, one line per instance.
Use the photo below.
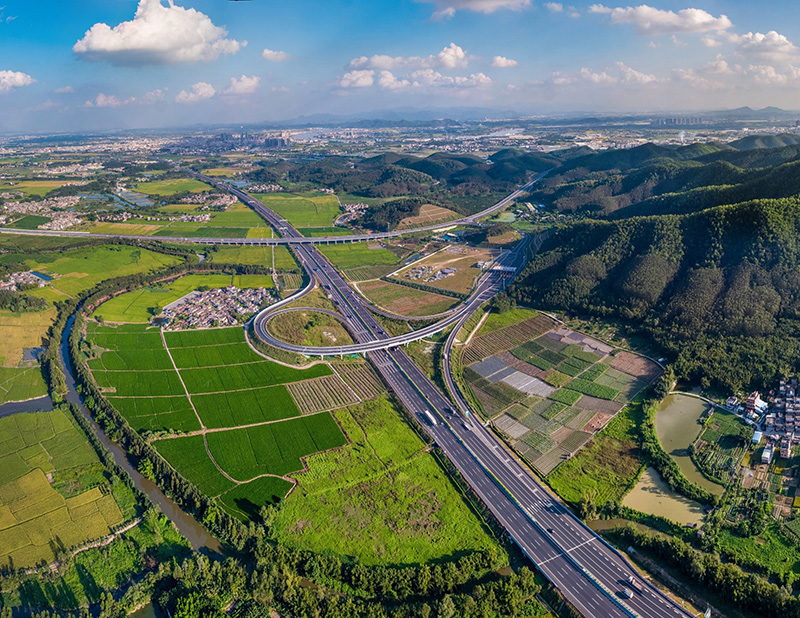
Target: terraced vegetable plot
(551, 394)
(362, 379)
(53, 492)
(326, 393)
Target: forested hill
(718, 290)
(651, 179)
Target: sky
(77, 65)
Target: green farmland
(261, 256)
(355, 254)
(232, 399)
(382, 498)
(166, 188)
(140, 305)
(318, 210)
(53, 492)
(78, 270)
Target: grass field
(81, 269)
(309, 328)
(403, 300)
(355, 254)
(317, 210)
(165, 188)
(609, 465)
(20, 331)
(53, 494)
(382, 498)
(138, 305)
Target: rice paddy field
(53, 492)
(382, 498)
(137, 306)
(232, 425)
(32, 187)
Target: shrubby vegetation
(21, 303)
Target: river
(677, 426)
(199, 538)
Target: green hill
(717, 290)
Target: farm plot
(77, 270)
(189, 457)
(358, 254)
(142, 304)
(157, 413)
(403, 300)
(720, 447)
(316, 210)
(362, 379)
(236, 408)
(276, 448)
(462, 262)
(506, 338)
(326, 393)
(573, 389)
(382, 499)
(366, 273)
(53, 492)
(20, 384)
(245, 501)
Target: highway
(587, 571)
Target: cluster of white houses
(779, 420)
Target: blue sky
(107, 64)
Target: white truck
(430, 417)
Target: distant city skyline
(123, 64)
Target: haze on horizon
(155, 63)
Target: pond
(653, 496)
(677, 426)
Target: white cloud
(448, 8)
(357, 79)
(431, 78)
(768, 75)
(14, 79)
(719, 66)
(710, 41)
(388, 81)
(157, 34)
(617, 73)
(501, 62)
(695, 80)
(153, 96)
(64, 90)
(629, 75)
(451, 57)
(280, 89)
(554, 7)
(199, 92)
(243, 85)
(771, 46)
(649, 20)
(274, 56)
(104, 100)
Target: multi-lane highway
(490, 284)
(590, 573)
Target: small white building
(766, 456)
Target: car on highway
(627, 593)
